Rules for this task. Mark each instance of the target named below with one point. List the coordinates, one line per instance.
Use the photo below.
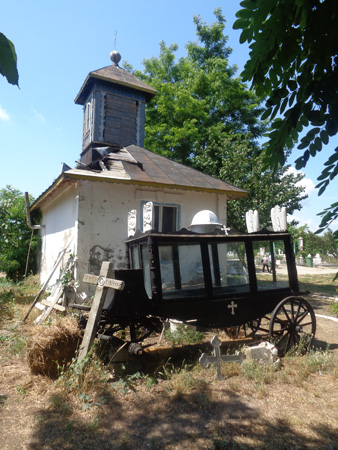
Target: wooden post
(57, 262)
(103, 283)
(53, 302)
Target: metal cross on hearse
(232, 306)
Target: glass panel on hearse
(270, 264)
(181, 270)
(229, 267)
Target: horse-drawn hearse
(212, 280)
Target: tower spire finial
(115, 55)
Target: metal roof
(114, 74)
(139, 166)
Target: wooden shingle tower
(114, 110)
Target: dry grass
(322, 284)
(171, 404)
(53, 346)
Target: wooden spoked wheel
(254, 325)
(292, 325)
(233, 332)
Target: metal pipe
(28, 216)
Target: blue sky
(58, 43)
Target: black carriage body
(214, 280)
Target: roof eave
(59, 182)
(232, 195)
(80, 98)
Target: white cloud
(307, 183)
(38, 117)
(304, 220)
(4, 115)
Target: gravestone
(264, 353)
(103, 282)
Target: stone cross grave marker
(103, 282)
(217, 359)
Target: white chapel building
(86, 208)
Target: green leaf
(332, 159)
(299, 163)
(8, 60)
(240, 24)
(245, 36)
(324, 137)
(266, 113)
(249, 4)
(322, 189)
(284, 105)
(313, 150)
(292, 98)
(325, 173)
(292, 85)
(318, 144)
(331, 127)
(244, 14)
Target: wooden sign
(104, 282)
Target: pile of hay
(52, 347)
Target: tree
(15, 235)
(293, 62)
(197, 94)
(237, 162)
(8, 60)
(325, 245)
(205, 117)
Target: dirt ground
(186, 410)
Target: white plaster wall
(103, 217)
(60, 219)
(191, 202)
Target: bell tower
(113, 109)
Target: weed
(317, 362)
(127, 383)
(21, 390)
(149, 381)
(59, 403)
(14, 341)
(88, 401)
(86, 376)
(7, 302)
(334, 308)
(184, 336)
(17, 345)
(201, 399)
(95, 424)
(3, 399)
(231, 369)
(259, 374)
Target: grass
(319, 284)
(15, 294)
(88, 401)
(183, 335)
(334, 308)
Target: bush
(15, 236)
(183, 335)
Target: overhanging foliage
(293, 62)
